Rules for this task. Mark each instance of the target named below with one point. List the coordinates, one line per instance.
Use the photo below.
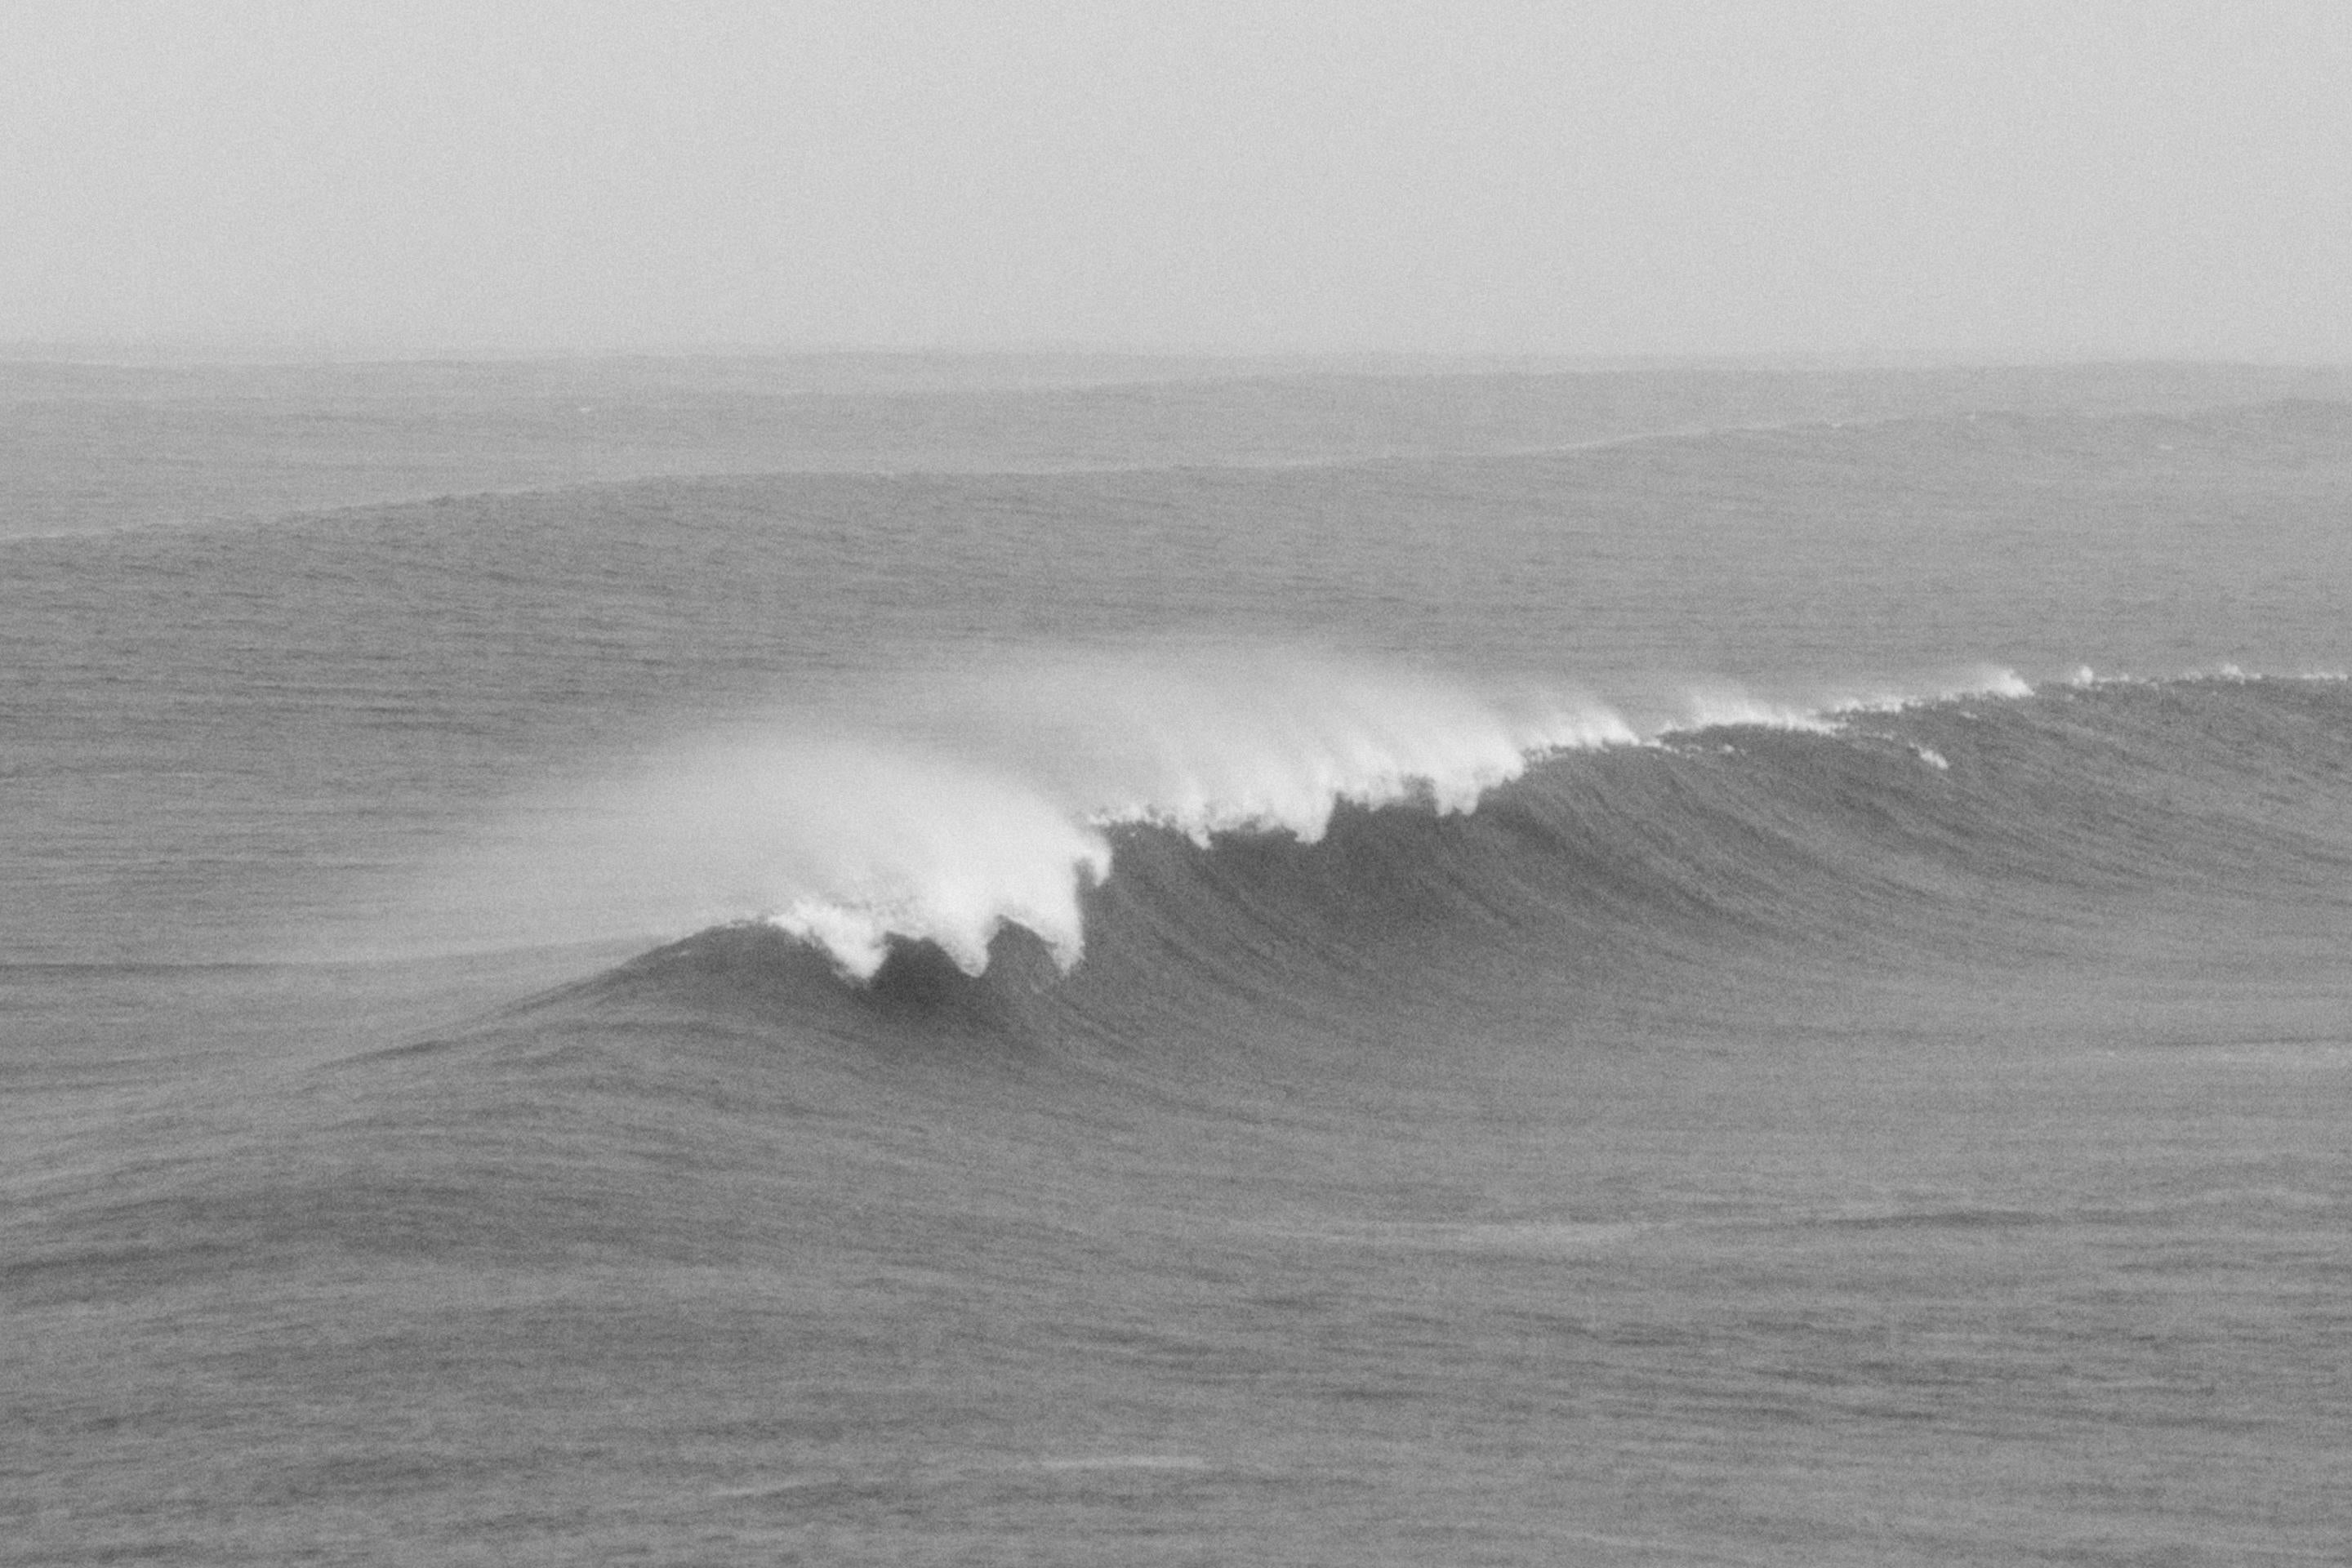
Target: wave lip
(1724, 706)
(1288, 772)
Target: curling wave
(1075, 754)
(2111, 830)
(993, 799)
(943, 808)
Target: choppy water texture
(1079, 962)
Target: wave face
(1443, 859)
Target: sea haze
(1079, 960)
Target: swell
(1955, 835)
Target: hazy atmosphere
(1974, 180)
(1318, 785)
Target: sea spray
(942, 804)
(1823, 712)
(1202, 741)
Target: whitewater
(702, 962)
(937, 808)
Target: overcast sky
(1950, 179)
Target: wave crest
(941, 807)
(1050, 755)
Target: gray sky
(1957, 178)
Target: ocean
(1071, 960)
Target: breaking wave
(1705, 878)
(940, 807)
(944, 810)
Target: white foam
(844, 841)
(1050, 752)
(1985, 680)
(1278, 746)
(1825, 711)
(1722, 707)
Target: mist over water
(1247, 992)
(936, 807)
